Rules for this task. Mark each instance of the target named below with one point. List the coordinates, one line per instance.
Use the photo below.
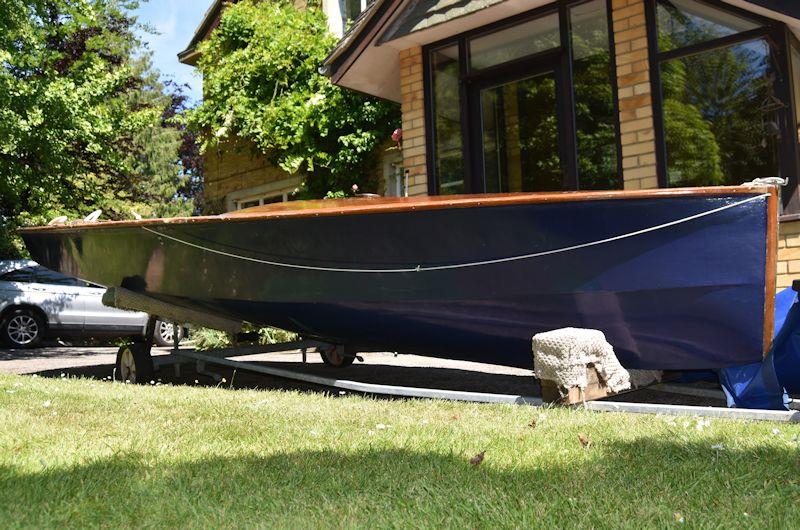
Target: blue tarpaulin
(765, 385)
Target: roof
(209, 22)
(366, 58)
(423, 14)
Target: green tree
(262, 84)
(82, 120)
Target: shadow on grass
(639, 483)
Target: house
(535, 95)
(236, 175)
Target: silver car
(36, 302)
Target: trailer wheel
(134, 364)
(335, 357)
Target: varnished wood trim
(770, 286)
(337, 207)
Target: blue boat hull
(689, 295)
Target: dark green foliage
(83, 124)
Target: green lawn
(83, 453)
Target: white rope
(420, 268)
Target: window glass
(685, 22)
(449, 163)
(248, 204)
(595, 119)
(520, 136)
(720, 116)
(518, 41)
(351, 10)
(20, 275)
(46, 276)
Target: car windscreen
(46, 276)
(24, 275)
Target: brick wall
(788, 253)
(413, 108)
(634, 91)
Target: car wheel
(23, 328)
(165, 333)
(134, 364)
(336, 358)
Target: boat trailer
(135, 364)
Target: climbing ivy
(263, 88)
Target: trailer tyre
(336, 358)
(134, 364)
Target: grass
(78, 453)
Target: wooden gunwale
(337, 207)
(770, 286)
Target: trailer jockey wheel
(335, 356)
(134, 364)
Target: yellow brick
(647, 160)
(631, 184)
(638, 44)
(794, 266)
(641, 173)
(792, 240)
(783, 267)
(628, 11)
(630, 162)
(630, 34)
(651, 182)
(642, 88)
(621, 25)
(784, 281)
(644, 112)
(637, 20)
(645, 135)
(636, 125)
(632, 57)
(633, 78)
(788, 254)
(635, 102)
(624, 69)
(638, 149)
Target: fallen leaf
(532, 424)
(586, 442)
(455, 417)
(477, 459)
(679, 518)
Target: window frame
(565, 96)
(778, 38)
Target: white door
(59, 297)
